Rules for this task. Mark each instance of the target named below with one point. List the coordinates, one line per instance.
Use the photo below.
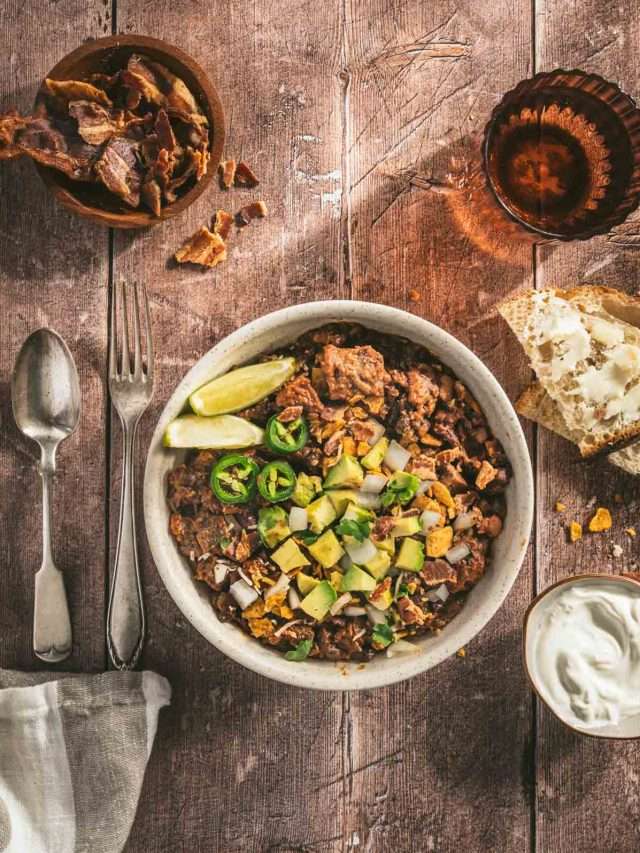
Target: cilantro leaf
(347, 527)
(308, 537)
(382, 635)
(301, 651)
(403, 589)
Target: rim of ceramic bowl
(525, 627)
(326, 675)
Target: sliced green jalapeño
(276, 481)
(233, 478)
(286, 438)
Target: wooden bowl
(104, 55)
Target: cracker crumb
(630, 531)
(616, 551)
(462, 653)
(575, 531)
(601, 520)
(560, 507)
(414, 296)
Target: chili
(276, 481)
(286, 438)
(233, 478)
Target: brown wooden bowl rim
(625, 578)
(211, 103)
(617, 217)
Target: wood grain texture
(53, 272)
(586, 799)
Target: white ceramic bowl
(269, 333)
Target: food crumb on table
(575, 531)
(601, 520)
(560, 507)
(414, 296)
(630, 531)
(616, 550)
(461, 653)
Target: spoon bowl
(45, 395)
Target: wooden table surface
(339, 106)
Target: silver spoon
(45, 393)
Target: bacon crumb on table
(227, 173)
(245, 176)
(255, 210)
(222, 223)
(414, 296)
(202, 248)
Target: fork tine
(148, 334)
(113, 337)
(124, 344)
(137, 344)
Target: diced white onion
(294, 598)
(464, 521)
(439, 594)
(374, 483)
(281, 585)
(298, 519)
(355, 611)
(367, 500)
(401, 647)
(285, 626)
(429, 519)
(396, 588)
(346, 562)
(458, 552)
(361, 552)
(396, 457)
(220, 571)
(378, 431)
(376, 617)
(424, 486)
(243, 593)
(339, 603)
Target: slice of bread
(584, 346)
(535, 404)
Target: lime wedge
(226, 432)
(241, 388)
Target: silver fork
(131, 388)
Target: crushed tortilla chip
(203, 248)
(560, 507)
(630, 531)
(260, 627)
(255, 610)
(600, 521)
(442, 494)
(461, 653)
(439, 541)
(575, 531)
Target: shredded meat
(422, 391)
(300, 392)
(435, 572)
(353, 370)
(202, 248)
(290, 414)
(410, 613)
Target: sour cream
(583, 654)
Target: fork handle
(125, 617)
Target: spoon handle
(51, 622)
(125, 618)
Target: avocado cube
(373, 460)
(335, 579)
(354, 512)
(406, 526)
(388, 545)
(306, 489)
(273, 525)
(306, 583)
(320, 514)
(346, 473)
(319, 600)
(379, 565)
(289, 556)
(411, 556)
(326, 550)
(357, 580)
(341, 498)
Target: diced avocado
(346, 473)
(306, 583)
(379, 565)
(288, 556)
(411, 556)
(354, 512)
(306, 489)
(326, 550)
(320, 514)
(335, 579)
(357, 580)
(401, 488)
(388, 545)
(406, 526)
(319, 600)
(273, 525)
(382, 597)
(341, 498)
(373, 459)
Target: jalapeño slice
(276, 481)
(286, 438)
(233, 478)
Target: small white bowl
(272, 332)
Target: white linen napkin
(73, 752)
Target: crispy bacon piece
(227, 173)
(40, 139)
(157, 85)
(118, 167)
(255, 210)
(245, 176)
(222, 223)
(202, 248)
(164, 132)
(151, 195)
(76, 90)
(95, 123)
